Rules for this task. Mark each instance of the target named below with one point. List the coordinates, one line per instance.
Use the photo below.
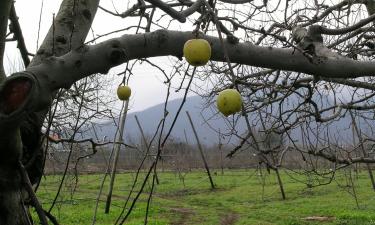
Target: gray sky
(147, 85)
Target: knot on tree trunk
(19, 94)
(14, 93)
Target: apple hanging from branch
(124, 92)
(229, 102)
(197, 52)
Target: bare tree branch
(4, 14)
(17, 32)
(180, 16)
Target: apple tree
(271, 51)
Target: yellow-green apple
(197, 52)
(123, 92)
(229, 102)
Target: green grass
(239, 198)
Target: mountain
(206, 120)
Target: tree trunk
(12, 209)
(21, 116)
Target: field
(240, 198)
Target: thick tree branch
(335, 159)
(72, 23)
(348, 82)
(4, 15)
(360, 24)
(169, 10)
(62, 72)
(180, 16)
(236, 1)
(17, 32)
(68, 32)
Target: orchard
(297, 75)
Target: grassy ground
(240, 198)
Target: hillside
(150, 118)
(208, 122)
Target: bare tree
(310, 50)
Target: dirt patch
(183, 213)
(229, 219)
(319, 218)
(187, 192)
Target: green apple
(124, 92)
(197, 52)
(229, 102)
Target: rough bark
(70, 28)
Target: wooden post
(276, 169)
(280, 184)
(116, 150)
(356, 170)
(221, 154)
(354, 123)
(146, 144)
(201, 150)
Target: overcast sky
(147, 85)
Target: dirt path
(184, 214)
(229, 219)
